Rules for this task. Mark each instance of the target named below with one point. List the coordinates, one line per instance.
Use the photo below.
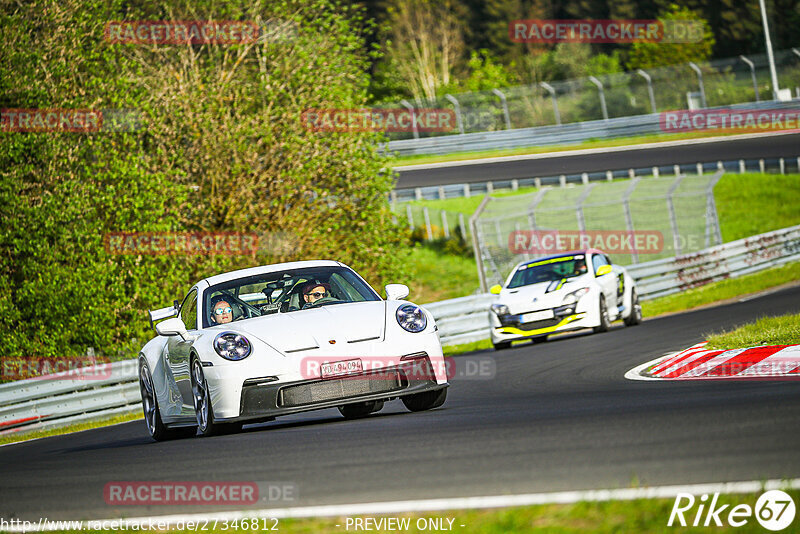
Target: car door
(608, 282)
(178, 351)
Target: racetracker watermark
(181, 243)
(177, 32)
(57, 120)
(774, 510)
(60, 368)
(610, 241)
(379, 120)
(605, 31)
(394, 368)
(147, 493)
(757, 120)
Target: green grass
(750, 204)
(783, 330)
(435, 275)
(24, 436)
(722, 290)
(450, 350)
(596, 143)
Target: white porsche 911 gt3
(564, 292)
(250, 345)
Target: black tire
(540, 339)
(501, 345)
(203, 409)
(152, 415)
(635, 316)
(425, 401)
(604, 322)
(361, 409)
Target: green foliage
(222, 148)
(644, 55)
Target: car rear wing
(163, 313)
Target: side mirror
(495, 290)
(172, 327)
(396, 291)
(603, 269)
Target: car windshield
(548, 270)
(283, 292)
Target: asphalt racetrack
(557, 416)
(755, 147)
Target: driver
(221, 312)
(313, 291)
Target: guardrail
(57, 400)
(552, 135)
(53, 401)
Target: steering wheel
(323, 301)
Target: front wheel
(604, 322)
(635, 316)
(152, 415)
(202, 405)
(425, 401)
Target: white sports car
(250, 345)
(564, 292)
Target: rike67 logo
(774, 510)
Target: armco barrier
(37, 403)
(551, 135)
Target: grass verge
(783, 330)
(24, 436)
(596, 143)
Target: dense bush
(221, 147)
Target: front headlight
(500, 309)
(411, 318)
(232, 346)
(575, 296)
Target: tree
(645, 55)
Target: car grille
(340, 388)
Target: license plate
(345, 367)
(537, 316)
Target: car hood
(308, 329)
(536, 297)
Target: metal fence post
(712, 219)
(626, 206)
(427, 217)
(673, 220)
(503, 101)
(445, 225)
(699, 73)
(457, 106)
(473, 222)
(462, 226)
(410, 216)
(752, 75)
(549, 88)
(602, 94)
(410, 109)
(650, 93)
(579, 207)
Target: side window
(189, 310)
(598, 260)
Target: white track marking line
(464, 503)
(586, 151)
(636, 372)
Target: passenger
(221, 312)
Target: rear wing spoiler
(163, 313)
